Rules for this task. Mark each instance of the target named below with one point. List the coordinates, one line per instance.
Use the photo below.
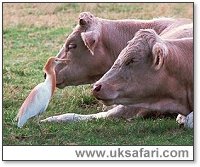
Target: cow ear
(90, 40)
(82, 22)
(159, 52)
(85, 18)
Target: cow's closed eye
(131, 61)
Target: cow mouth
(116, 101)
(60, 85)
(107, 102)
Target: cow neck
(179, 60)
(116, 34)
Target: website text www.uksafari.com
(133, 153)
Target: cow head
(137, 75)
(83, 48)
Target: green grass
(26, 47)
(100, 132)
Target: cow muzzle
(104, 92)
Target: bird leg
(38, 125)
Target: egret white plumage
(38, 100)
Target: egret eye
(72, 46)
(45, 75)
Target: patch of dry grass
(62, 14)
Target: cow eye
(72, 46)
(133, 60)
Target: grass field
(34, 32)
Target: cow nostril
(45, 75)
(97, 88)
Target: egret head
(52, 62)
